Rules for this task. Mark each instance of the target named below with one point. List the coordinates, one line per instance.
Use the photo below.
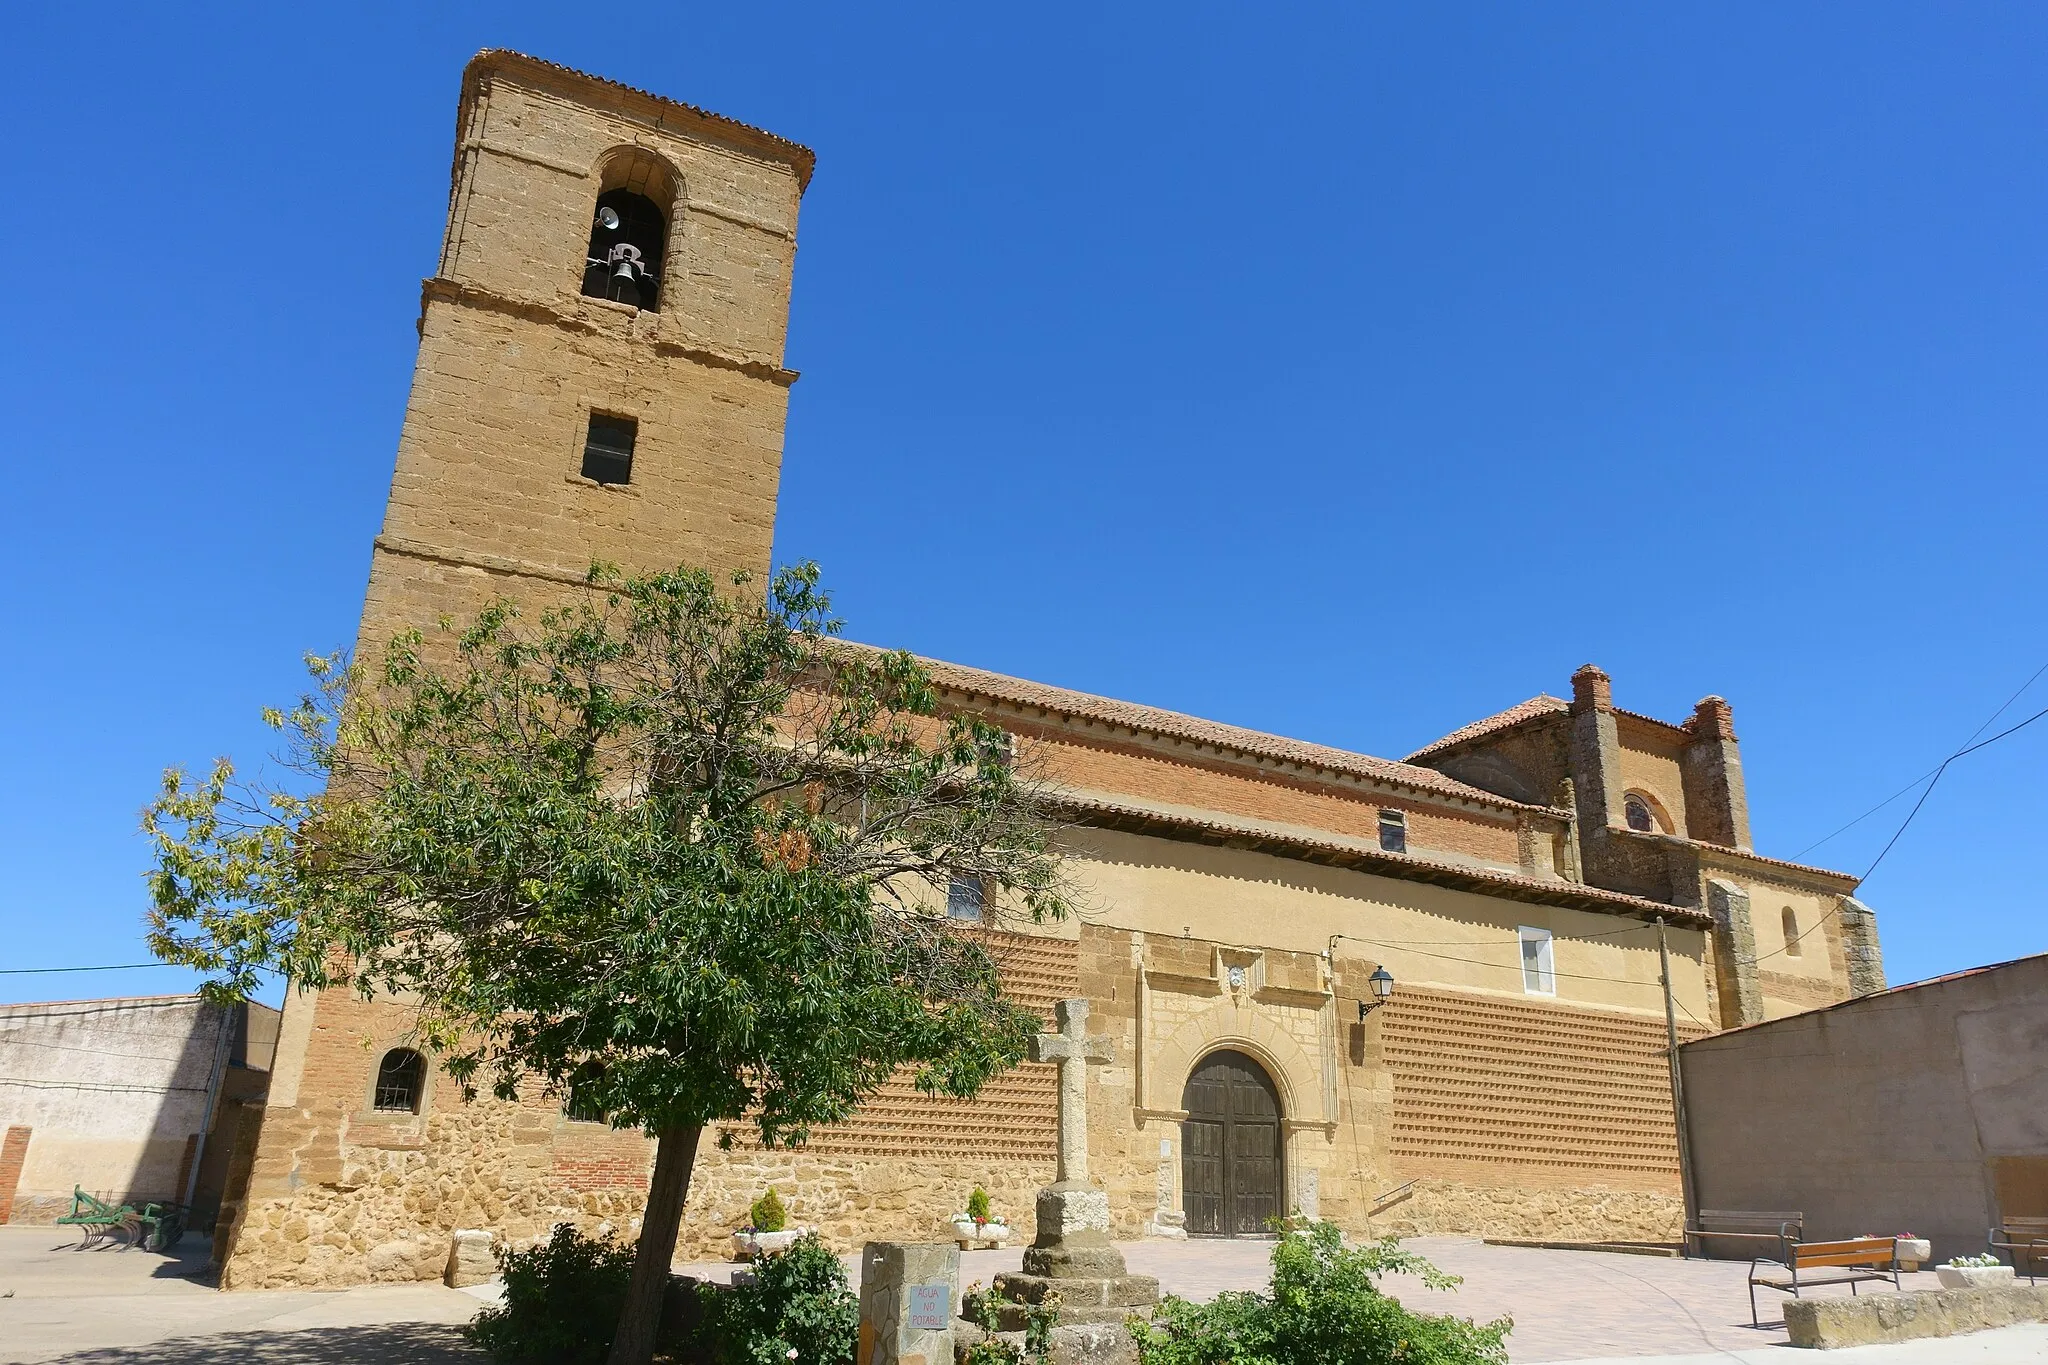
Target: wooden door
(1231, 1182)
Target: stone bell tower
(600, 367)
(600, 377)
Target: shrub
(977, 1205)
(562, 1301)
(1325, 1306)
(766, 1214)
(797, 1301)
(985, 1308)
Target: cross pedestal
(1072, 1253)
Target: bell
(625, 289)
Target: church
(1412, 995)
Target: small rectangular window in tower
(608, 449)
(963, 898)
(1394, 831)
(1539, 965)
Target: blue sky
(1348, 372)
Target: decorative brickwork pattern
(1014, 1118)
(1530, 1091)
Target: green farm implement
(154, 1226)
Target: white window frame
(1394, 819)
(953, 898)
(1540, 977)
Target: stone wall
(340, 1194)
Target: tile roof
(1175, 725)
(801, 156)
(1115, 811)
(1542, 704)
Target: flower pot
(1914, 1251)
(1973, 1276)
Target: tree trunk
(675, 1154)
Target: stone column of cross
(1073, 1049)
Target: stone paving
(116, 1306)
(59, 1306)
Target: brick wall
(13, 1152)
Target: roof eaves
(1021, 692)
(800, 157)
(1098, 810)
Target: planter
(1914, 1252)
(748, 1245)
(1974, 1276)
(969, 1235)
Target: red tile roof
(1113, 812)
(1173, 724)
(1542, 704)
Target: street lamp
(1382, 983)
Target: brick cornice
(585, 320)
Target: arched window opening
(582, 1102)
(628, 237)
(629, 227)
(401, 1078)
(1643, 814)
(1792, 945)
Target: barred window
(401, 1077)
(581, 1102)
(608, 448)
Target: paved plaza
(120, 1307)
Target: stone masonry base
(1867, 1319)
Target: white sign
(931, 1307)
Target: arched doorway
(1230, 1148)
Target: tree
(676, 847)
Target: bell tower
(600, 366)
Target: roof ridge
(1542, 704)
(1159, 720)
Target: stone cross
(1073, 1049)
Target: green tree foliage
(673, 841)
(977, 1205)
(798, 1301)
(766, 1214)
(562, 1301)
(1325, 1306)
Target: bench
(1852, 1261)
(156, 1226)
(2025, 1240)
(1749, 1228)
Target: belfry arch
(1233, 1157)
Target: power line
(116, 967)
(1935, 771)
(1968, 748)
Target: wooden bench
(1852, 1261)
(2025, 1241)
(1746, 1227)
